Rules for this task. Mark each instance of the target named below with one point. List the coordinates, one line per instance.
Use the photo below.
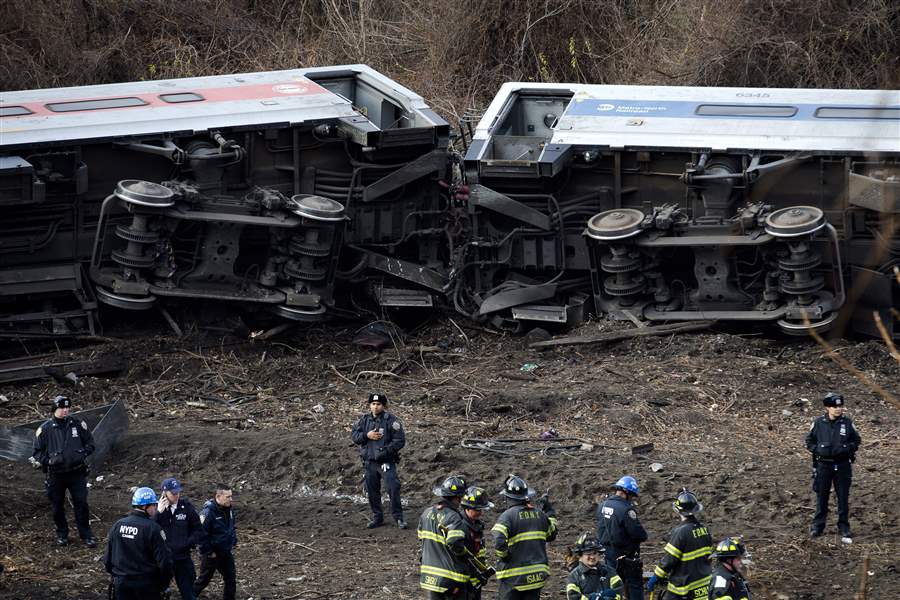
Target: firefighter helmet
(730, 547)
(515, 488)
(452, 487)
(686, 503)
(476, 499)
(587, 543)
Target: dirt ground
(726, 415)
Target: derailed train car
(772, 206)
(262, 190)
(296, 193)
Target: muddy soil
(726, 415)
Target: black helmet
(686, 503)
(61, 402)
(587, 543)
(730, 547)
(833, 399)
(515, 488)
(477, 499)
(452, 487)
(378, 398)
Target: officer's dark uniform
(444, 572)
(520, 543)
(685, 561)
(620, 531)
(474, 529)
(219, 537)
(584, 580)
(61, 447)
(380, 458)
(833, 445)
(183, 532)
(138, 558)
(727, 585)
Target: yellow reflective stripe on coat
(429, 570)
(529, 586)
(614, 581)
(455, 533)
(428, 535)
(660, 572)
(540, 568)
(501, 553)
(501, 528)
(432, 588)
(691, 586)
(706, 551)
(528, 535)
(673, 551)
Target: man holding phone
(380, 437)
(181, 522)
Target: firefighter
(474, 503)
(833, 442)
(61, 447)
(620, 531)
(590, 579)
(685, 561)
(520, 542)
(136, 552)
(444, 572)
(727, 580)
(380, 437)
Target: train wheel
(124, 300)
(799, 328)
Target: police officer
(444, 571)
(136, 552)
(727, 580)
(380, 437)
(685, 561)
(61, 445)
(591, 580)
(217, 543)
(181, 523)
(833, 442)
(520, 542)
(474, 503)
(621, 532)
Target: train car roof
(780, 119)
(194, 104)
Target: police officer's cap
(378, 398)
(171, 484)
(61, 402)
(833, 399)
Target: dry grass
(457, 54)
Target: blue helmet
(143, 496)
(627, 484)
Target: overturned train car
(264, 190)
(772, 206)
(306, 193)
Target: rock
(537, 334)
(656, 467)
(786, 412)
(318, 408)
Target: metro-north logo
(606, 107)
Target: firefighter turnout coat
(520, 541)
(685, 561)
(584, 581)
(443, 535)
(727, 585)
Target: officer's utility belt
(836, 461)
(629, 566)
(146, 578)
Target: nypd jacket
(442, 533)
(833, 440)
(618, 527)
(520, 543)
(685, 561)
(218, 531)
(182, 526)
(728, 585)
(62, 445)
(584, 580)
(136, 549)
(385, 450)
